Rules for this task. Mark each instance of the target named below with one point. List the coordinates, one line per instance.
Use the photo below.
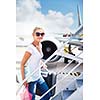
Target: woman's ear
(32, 34)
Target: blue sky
(52, 15)
(64, 6)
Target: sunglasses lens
(42, 34)
(38, 34)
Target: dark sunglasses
(38, 34)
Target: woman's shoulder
(30, 47)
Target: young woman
(32, 59)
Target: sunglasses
(38, 34)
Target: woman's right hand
(25, 84)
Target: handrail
(69, 63)
(60, 80)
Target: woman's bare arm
(23, 62)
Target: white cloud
(28, 16)
(25, 9)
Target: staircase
(72, 91)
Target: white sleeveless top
(33, 63)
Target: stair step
(67, 93)
(63, 95)
(77, 95)
(57, 97)
(79, 82)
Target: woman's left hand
(44, 66)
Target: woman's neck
(35, 43)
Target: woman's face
(38, 35)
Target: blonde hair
(36, 28)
